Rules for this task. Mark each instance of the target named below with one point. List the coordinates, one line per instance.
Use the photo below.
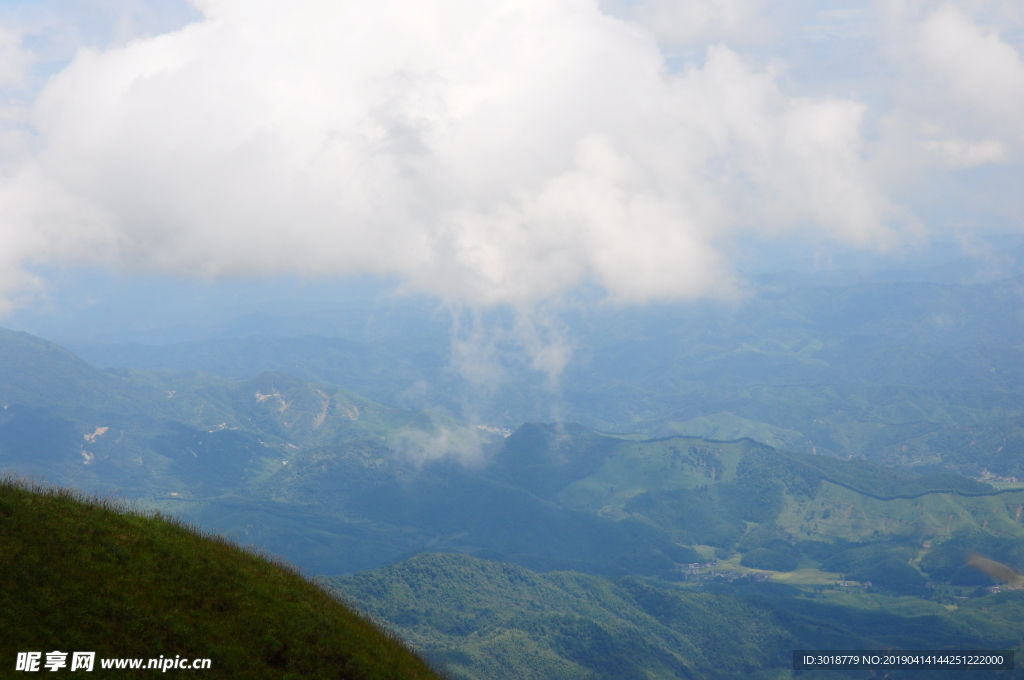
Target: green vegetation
(946, 562)
(894, 576)
(781, 558)
(497, 621)
(860, 557)
(86, 575)
(486, 620)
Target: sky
(498, 153)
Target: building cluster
(987, 476)
(728, 576)
(693, 569)
(731, 576)
(1001, 587)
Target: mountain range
(818, 466)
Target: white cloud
(494, 152)
(687, 21)
(959, 153)
(442, 439)
(983, 73)
(13, 59)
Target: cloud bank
(488, 152)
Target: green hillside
(81, 575)
(491, 621)
(733, 494)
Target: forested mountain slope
(491, 621)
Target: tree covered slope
(491, 621)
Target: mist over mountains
(894, 368)
(823, 454)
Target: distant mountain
(35, 373)
(900, 372)
(203, 446)
(87, 576)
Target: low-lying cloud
(441, 441)
(487, 152)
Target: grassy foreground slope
(87, 576)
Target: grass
(1007, 485)
(90, 574)
(805, 576)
